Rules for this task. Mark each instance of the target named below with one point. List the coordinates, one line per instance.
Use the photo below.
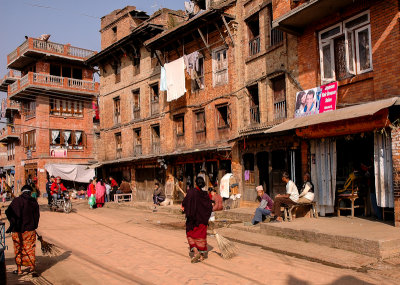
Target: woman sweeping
(100, 193)
(23, 214)
(198, 208)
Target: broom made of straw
(47, 248)
(227, 248)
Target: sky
(67, 21)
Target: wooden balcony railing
(254, 46)
(47, 80)
(136, 113)
(280, 110)
(276, 37)
(180, 140)
(155, 107)
(156, 147)
(254, 115)
(49, 47)
(137, 150)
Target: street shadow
(43, 263)
(345, 280)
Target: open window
(223, 116)
(220, 66)
(136, 104)
(253, 28)
(68, 139)
(345, 48)
(155, 139)
(117, 110)
(198, 81)
(29, 109)
(118, 145)
(30, 140)
(254, 104)
(155, 99)
(137, 141)
(279, 89)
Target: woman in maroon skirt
(198, 208)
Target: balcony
(156, 148)
(254, 46)
(295, 21)
(8, 79)
(32, 83)
(280, 110)
(155, 107)
(12, 106)
(137, 150)
(33, 49)
(8, 133)
(254, 115)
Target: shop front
(350, 157)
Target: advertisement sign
(316, 100)
(58, 152)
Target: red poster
(328, 97)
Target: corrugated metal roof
(362, 110)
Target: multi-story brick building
(49, 109)
(146, 137)
(267, 72)
(353, 43)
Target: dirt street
(128, 246)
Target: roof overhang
(295, 21)
(362, 110)
(128, 43)
(185, 28)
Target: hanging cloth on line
(175, 75)
(383, 170)
(192, 63)
(163, 80)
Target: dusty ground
(129, 246)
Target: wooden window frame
(73, 145)
(29, 140)
(220, 70)
(226, 124)
(117, 110)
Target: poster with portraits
(316, 100)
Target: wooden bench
(288, 210)
(123, 197)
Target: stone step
(309, 251)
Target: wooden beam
(204, 41)
(158, 57)
(196, 39)
(220, 34)
(176, 50)
(228, 30)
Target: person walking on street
(100, 193)
(50, 181)
(23, 215)
(290, 198)
(197, 206)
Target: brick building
(146, 137)
(267, 72)
(353, 43)
(49, 110)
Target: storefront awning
(72, 172)
(362, 110)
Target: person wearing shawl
(197, 206)
(23, 215)
(100, 193)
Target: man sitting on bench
(307, 190)
(290, 198)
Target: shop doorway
(263, 173)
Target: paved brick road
(127, 246)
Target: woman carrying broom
(197, 206)
(23, 214)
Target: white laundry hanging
(175, 74)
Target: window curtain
(77, 137)
(323, 173)
(54, 136)
(67, 135)
(383, 170)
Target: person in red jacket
(57, 188)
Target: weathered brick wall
(396, 173)
(383, 81)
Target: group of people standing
(104, 191)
